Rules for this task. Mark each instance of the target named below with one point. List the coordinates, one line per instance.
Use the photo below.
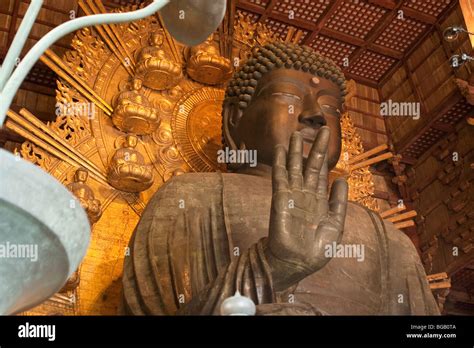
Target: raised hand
(302, 219)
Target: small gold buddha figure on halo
(133, 112)
(206, 65)
(128, 171)
(85, 195)
(157, 70)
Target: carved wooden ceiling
(367, 35)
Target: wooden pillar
(467, 8)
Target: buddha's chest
(350, 282)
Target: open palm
(302, 220)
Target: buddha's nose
(312, 118)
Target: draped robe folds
(201, 238)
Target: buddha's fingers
(338, 203)
(322, 188)
(316, 159)
(279, 173)
(295, 161)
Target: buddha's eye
(288, 95)
(330, 109)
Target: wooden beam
(403, 216)
(408, 160)
(330, 10)
(388, 75)
(444, 127)
(346, 38)
(386, 51)
(368, 153)
(381, 195)
(431, 52)
(437, 276)
(415, 89)
(387, 4)
(419, 16)
(247, 6)
(267, 12)
(392, 211)
(440, 285)
(404, 224)
(363, 80)
(371, 161)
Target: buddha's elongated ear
(231, 115)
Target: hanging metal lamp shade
(44, 234)
(192, 21)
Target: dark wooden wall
(426, 77)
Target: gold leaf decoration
(35, 155)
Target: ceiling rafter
(419, 16)
(322, 21)
(414, 88)
(363, 80)
(268, 10)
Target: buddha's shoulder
(360, 220)
(197, 184)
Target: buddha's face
(156, 39)
(285, 101)
(137, 84)
(81, 175)
(131, 141)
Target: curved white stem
(19, 41)
(12, 85)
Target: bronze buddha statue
(206, 65)
(133, 112)
(154, 66)
(128, 171)
(85, 195)
(271, 232)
